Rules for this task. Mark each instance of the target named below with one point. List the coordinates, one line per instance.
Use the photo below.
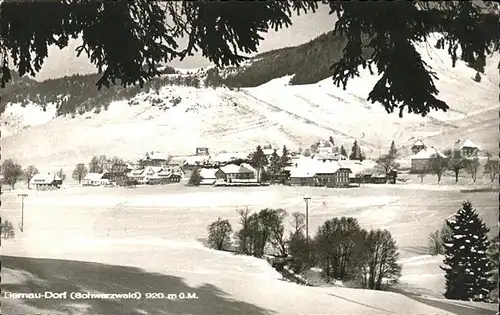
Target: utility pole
(22, 210)
(307, 218)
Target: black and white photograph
(249, 157)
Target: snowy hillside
(176, 119)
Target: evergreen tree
(331, 140)
(274, 163)
(195, 178)
(466, 262)
(258, 160)
(285, 157)
(393, 151)
(343, 152)
(355, 151)
(493, 254)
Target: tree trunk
(456, 177)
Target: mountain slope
(173, 115)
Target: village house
(331, 174)
(118, 172)
(314, 172)
(157, 175)
(202, 151)
(207, 176)
(302, 176)
(227, 157)
(233, 173)
(422, 161)
(154, 158)
(418, 146)
(46, 181)
(465, 149)
(95, 179)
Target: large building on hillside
(313, 172)
(465, 149)
(422, 161)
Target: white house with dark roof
(423, 159)
(465, 149)
(237, 173)
(309, 171)
(207, 176)
(46, 181)
(94, 179)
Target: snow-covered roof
(419, 143)
(229, 156)
(230, 169)
(428, 153)
(45, 178)
(359, 167)
(156, 156)
(248, 167)
(233, 169)
(93, 176)
(193, 159)
(269, 151)
(300, 172)
(466, 144)
(207, 172)
(310, 167)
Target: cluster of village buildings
(323, 168)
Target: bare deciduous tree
(29, 173)
(456, 164)
(79, 172)
(219, 234)
(472, 166)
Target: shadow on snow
(75, 276)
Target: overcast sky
(305, 27)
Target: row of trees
(13, 173)
(341, 248)
(439, 166)
(470, 258)
(98, 164)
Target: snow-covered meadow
(159, 229)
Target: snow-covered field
(157, 229)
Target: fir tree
(393, 151)
(343, 152)
(331, 140)
(466, 262)
(274, 163)
(355, 151)
(258, 160)
(494, 258)
(285, 157)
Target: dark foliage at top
(223, 31)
